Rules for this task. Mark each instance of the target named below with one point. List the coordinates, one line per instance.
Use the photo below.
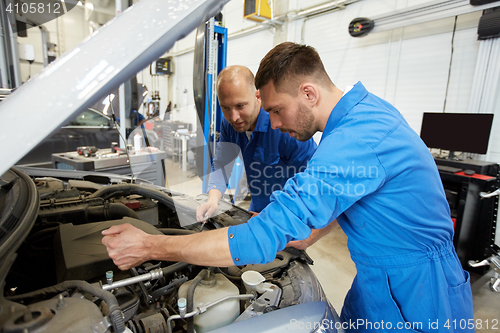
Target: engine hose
(174, 268)
(129, 189)
(190, 297)
(229, 276)
(173, 231)
(110, 211)
(115, 314)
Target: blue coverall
(270, 158)
(373, 174)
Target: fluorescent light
(105, 110)
(108, 99)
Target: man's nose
(235, 115)
(275, 123)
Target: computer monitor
(465, 132)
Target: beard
(247, 121)
(304, 124)
(242, 128)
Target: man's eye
(276, 111)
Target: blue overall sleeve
(311, 199)
(222, 166)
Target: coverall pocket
(460, 299)
(370, 304)
(401, 324)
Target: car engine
(63, 280)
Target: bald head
(238, 98)
(236, 75)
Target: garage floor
(332, 263)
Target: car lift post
(216, 41)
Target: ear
(310, 93)
(257, 95)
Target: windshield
(90, 118)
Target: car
(89, 128)
(56, 275)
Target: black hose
(229, 276)
(111, 211)
(190, 297)
(115, 314)
(174, 268)
(148, 192)
(129, 189)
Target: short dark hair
(287, 64)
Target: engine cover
(80, 253)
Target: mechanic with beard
(270, 156)
(372, 173)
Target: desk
(145, 164)
(475, 217)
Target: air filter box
(79, 252)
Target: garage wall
(249, 50)
(409, 66)
(494, 149)
(246, 50)
(183, 98)
(66, 31)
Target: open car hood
(84, 75)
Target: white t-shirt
(347, 89)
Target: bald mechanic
(270, 156)
(371, 172)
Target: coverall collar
(346, 103)
(262, 121)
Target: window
(90, 118)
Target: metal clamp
(484, 195)
(494, 263)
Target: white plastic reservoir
(210, 291)
(137, 142)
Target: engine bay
(63, 279)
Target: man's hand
(316, 234)
(126, 245)
(129, 247)
(254, 214)
(206, 210)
